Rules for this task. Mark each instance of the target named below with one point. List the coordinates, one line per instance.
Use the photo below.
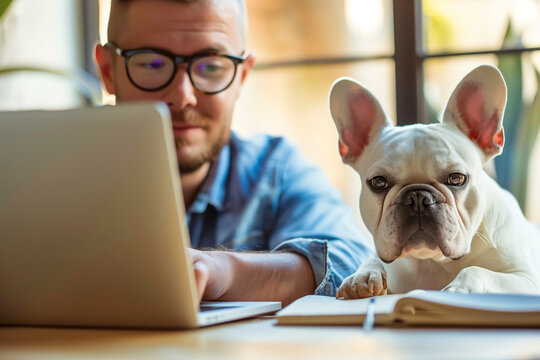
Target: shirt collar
(213, 189)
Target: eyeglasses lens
(150, 70)
(212, 73)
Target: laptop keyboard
(204, 308)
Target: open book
(418, 307)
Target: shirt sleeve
(312, 220)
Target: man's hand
(224, 275)
(213, 273)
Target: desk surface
(262, 339)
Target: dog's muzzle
(420, 212)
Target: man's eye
(156, 64)
(378, 183)
(456, 179)
(209, 68)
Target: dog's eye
(456, 179)
(378, 183)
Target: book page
(317, 309)
(487, 302)
(470, 309)
(422, 307)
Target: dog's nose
(418, 200)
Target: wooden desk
(261, 339)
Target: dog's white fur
(438, 220)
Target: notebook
(92, 223)
(417, 307)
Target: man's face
(201, 122)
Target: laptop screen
(92, 225)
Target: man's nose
(181, 92)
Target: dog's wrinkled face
(421, 191)
(420, 195)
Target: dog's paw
(457, 288)
(468, 280)
(369, 280)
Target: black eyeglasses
(154, 69)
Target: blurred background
(410, 53)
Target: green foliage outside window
(521, 121)
(521, 118)
(4, 4)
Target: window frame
(88, 12)
(410, 57)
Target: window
(40, 62)
(410, 53)
(302, 47)
(457, 35)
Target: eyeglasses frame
(177, 59)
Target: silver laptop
(92, 223)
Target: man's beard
(209, 152)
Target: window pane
(441, 77)
(293, 101)
(288, 30)
(39, 35)
(104, 9)
(465, 25)
(443, 74)
(298, 109)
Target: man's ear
(476, 107)
(104, 63)
(247, 66)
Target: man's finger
(201, 278)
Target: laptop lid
(92, 223)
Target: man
(256, 194)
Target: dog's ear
(476, 107)
(358, 115)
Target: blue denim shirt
(261, 194)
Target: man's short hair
(241, 7)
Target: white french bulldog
(438, 220)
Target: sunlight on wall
(525, 15)
(364, 16)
